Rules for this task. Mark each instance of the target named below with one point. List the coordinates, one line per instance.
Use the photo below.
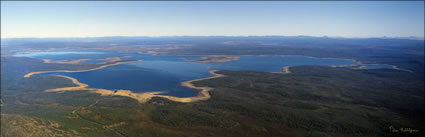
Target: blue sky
(139, 18)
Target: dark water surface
(165, 73)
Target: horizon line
(324, 36)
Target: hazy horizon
(346, 19)
(383, 37)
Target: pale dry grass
(13, 125)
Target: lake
(165, 73)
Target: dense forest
(311, 101)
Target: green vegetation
(309, 102)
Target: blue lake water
(165, 73)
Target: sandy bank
(203, 91)
(112, 59)
(76, 61)
(100, 67)
(285, 70)
(80, 86)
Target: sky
(212, 18)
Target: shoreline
(213, 59)
(203, 92)
(356, 62)
(75, 61)
(308, 56)
(80, 86)
(70, 71)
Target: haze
(139, 18)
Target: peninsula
(100, 67)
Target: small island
(76, 61)
(112, 59)
(214, 59)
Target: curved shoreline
(356, 62)
(69, 71)
(308, 56)
(203, 93)
(80, 86)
